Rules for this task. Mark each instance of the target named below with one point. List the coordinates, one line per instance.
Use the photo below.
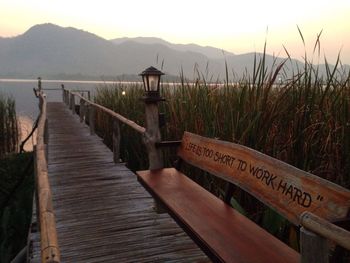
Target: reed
(8, 126)
(304, 121)
(16, 199)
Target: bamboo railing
(50, 252)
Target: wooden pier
(91, 208)
(102, 213)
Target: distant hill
(210, 52)
(52, 51)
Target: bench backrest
(287, 189)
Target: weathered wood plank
(286, 189)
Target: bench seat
(222, 232)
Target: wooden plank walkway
(102, 213)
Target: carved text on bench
(272, 181)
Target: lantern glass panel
(153, 82)
(145, 82)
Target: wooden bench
(224, 234)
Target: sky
(236, 26)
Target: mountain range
(51, 51)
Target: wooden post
(81, 110)
(314, 248)
(72, 102)
(116, 141)
(86, 113)
(152, 136)
(39, 84)
(69, 101)
(89, 95)
(67, 98)
(63, 94)
(92, 119)
(325, 229)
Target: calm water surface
(27, 104)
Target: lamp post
(151, 82)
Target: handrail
(325, 229)
(121, 118)
(48, 234)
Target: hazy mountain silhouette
(49, 50)
(210, 52)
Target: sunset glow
(236, 26)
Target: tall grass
(8, 125)
(16, 199)
(304, 121)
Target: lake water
(27, 103)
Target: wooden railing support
(314, 235)
(153, 136)
(116, 141)
(63, 95)
(82, 110)
(67, 98)
(39, 84)
(92, 119)
(314, 248)
(86, 113)
(72, 103)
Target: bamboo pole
(48, 233)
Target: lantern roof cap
(151, 71)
